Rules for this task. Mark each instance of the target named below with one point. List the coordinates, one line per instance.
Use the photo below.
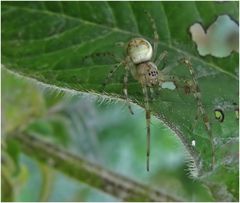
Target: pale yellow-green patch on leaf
(219, 115)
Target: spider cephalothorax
(147, 74)
(142, 63)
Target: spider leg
(185, 84)
(121, 44)
(111, 72)
(197, 95)
(148, 119)
(193, 87)
(125, 82)
(161, 57)
(156, 37)
(101, 54)
(195, 120)
(152, 93)
(166, 70)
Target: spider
(142, 62)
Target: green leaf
(48, 40)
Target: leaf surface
(48, 41)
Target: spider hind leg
(156, 36)
(104, 55)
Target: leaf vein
(130, 33)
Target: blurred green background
(101, 131)
(97, 129)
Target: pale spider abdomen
(147, 74)
(139, 50)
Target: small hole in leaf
(220, 38)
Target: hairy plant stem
(89, 173)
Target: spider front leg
(125, 82)
(111, 73)
(148, 119)
(197, 96)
